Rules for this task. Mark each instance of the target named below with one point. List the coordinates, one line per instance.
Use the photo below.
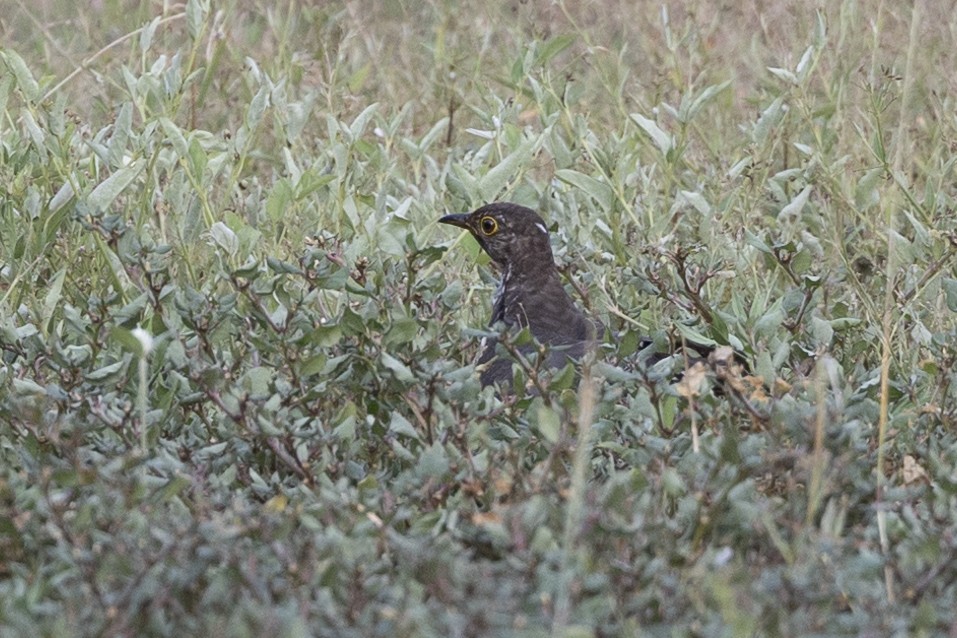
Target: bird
(530, 293)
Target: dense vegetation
(236, 389)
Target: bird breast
(498, 301)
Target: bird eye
(489, 226)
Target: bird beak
(458, 219)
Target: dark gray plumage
(530, 293)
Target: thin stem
(87, 62)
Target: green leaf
(257, 107)
(803, 65)
(739, 167)
(313, 365)
(704, 97)
(126, 339)
(867, 192)
(664, 141)
(132, 312)
(26, 387)
(346, 429)
(801, 261)
(399, 369)
(492, 184)
(225, 238)
(770, 321)
(52, 299)
(757, 242)
(402, 331)
(600, 192)
(196, 11)
(950, 290)
(845, 323)
(792, 211)
(547, 421)
(922, 236)
(6, 86)
(822, 331)
(175, 136)
(28, 85)
(107, 373)
(693, 336)
(109, 189)
(284, 267)
(362, 121)
(358, 79)
(258, 381)
(210, 452)
(325, 336)
(146, 35)
(392, 238)
(63, 196)
(452, 294)
(552, 47)
(37, 135)
(768, 120)
(699, 202)
(122, 129)
(401, 425)
(672, 482)
(433, 462)
(783, 74)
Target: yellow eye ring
(488, 225)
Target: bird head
(509, 233)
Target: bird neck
(531, 276)
(534, 266)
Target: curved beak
(458, 219)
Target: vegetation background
(236, 391)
